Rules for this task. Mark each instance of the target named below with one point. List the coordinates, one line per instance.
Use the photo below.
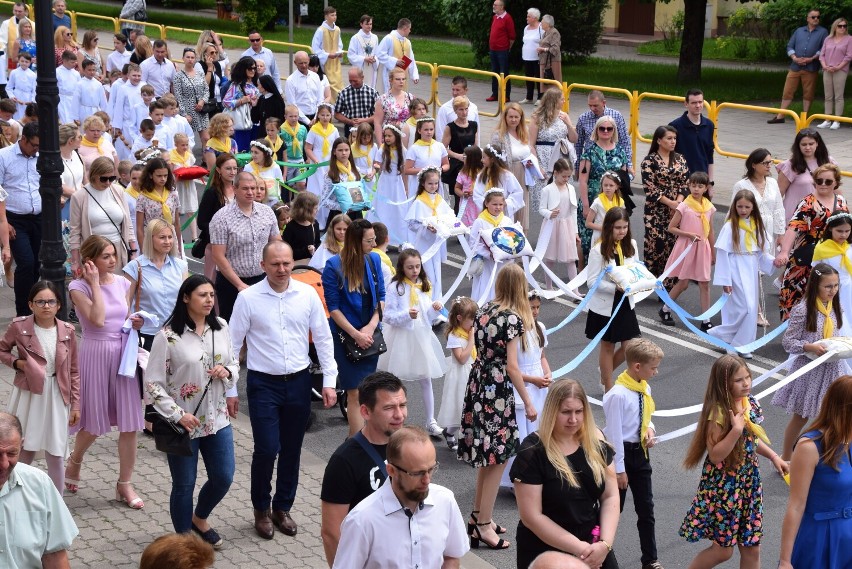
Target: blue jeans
(217, 451)
(279, 411)
(500, 64)
(25, 248)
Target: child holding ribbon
(389, 162)
(318, 149)
(728, 509)
(483, 265)
(341, 169)
(609, 198)
(460, 343)
(834, 250)
(429, 203)
(414, 353)
(816, 317)
(692, 222)
(742, 252)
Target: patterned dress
(29, 46)
(600, 161)
(551, 133)
(188, 91)
(395, 113)
(660, 180)
(728, 508)
(808, 222)
(489, 430)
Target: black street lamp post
(49, 164)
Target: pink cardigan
(836, 53)
(21, 334)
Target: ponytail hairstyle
(463, 307)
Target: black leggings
(531, 69)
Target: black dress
(625, 325)
(576, 510)
(299, 236)
(460, 138)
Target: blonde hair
(24, 21)
(510, 293)
(503, 127)
(180, 137)
(588, 436)
(642, 351)
(93, 121)
(599, 122)
(154, 227)
(93, 247)
(59, 37)
(219, 125)
(67, 131)
(330, 240)
(460, 101)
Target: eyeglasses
(606, 128)
(252, 68)
(42, 303)
(419, 473)
(814, 17)
(371, 240)
(110, 179)
(255, 40)
(766, 163)
(825, 181)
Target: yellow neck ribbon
(702, 208)
(495, 221)
(431, 202)
(276, 146)
(457, 331)
(359, 151)
(181, 160)
(324, 132)
(831, 248)
(385, 259)
(293, 131)
(619, 252)
(748, 226)
(828, 326)
(609, 204)
(220, 144)
(648, 405)
(428, 145)
(345, 170)
(412, 294)
(99, 144)
(755, 429)
(160, 195)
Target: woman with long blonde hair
(514, 136)
(565, 482)
(63, 40)
(489, 430)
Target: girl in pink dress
(692, 222)
(464, 184)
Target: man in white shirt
(275, 318)
(392, 50)
(67, 78)
(257, 51)
(8, 34)
(158, 71)
(304, 88)
(120, 56)
(362, 51)
(446, 114)
(408, 521)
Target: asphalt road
(680, 383)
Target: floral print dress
(600, 161)
(728, 509)
(661, 180)
(489, 432)
(555, 131)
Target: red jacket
(502, 32)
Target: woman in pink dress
(795, 176)
(107, 399)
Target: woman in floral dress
(548, 126)
(392, 107)
(489, 432)
(190, 368)
(602, 155)
(803, 232)
(664, 175)
(191, 93)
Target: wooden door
(636, 17)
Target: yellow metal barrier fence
(457, 70)
(551, 82)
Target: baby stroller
(313, 277)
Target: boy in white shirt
(89, 96)
(174, 120)
(125, 99)
(145, 138)
(67, 78)
(22, 84)
(362, 48)
(162, 133)
(120, 56)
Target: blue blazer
(337, 293)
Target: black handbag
(198, 247)
(212, 108)
(548, 68)
(171, 437)
(355, 353)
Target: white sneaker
(747, 355)
(824, 124)
(434, 429)
(525, 101)
(835, 125)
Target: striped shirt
(244, 236)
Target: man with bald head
(275, 318)
(238, 233)
(355, 103)
(304, 88)
(557, 560)
(36, 527)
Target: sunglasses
(606, 128)
(841, 25)
(256, 40)
(814, 17)
(110, 179)
(825, 181)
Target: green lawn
(723, 49)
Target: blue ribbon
(717, 306)
(579, 308)
(590, 347)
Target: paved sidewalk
(112, 536)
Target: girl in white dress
(265, 170)
(318, 149)
(496, 174)
(181, 157)
(742, 250)
(489, 218)
(609, 198)
(425, 151)
(389, 161)
(535, 370)
(414, 352)
(834, 250)
(558, 206)
(332, 243)
(363, 148)
(429, 203)
(46, 354)
(417, 109)
(460, 342)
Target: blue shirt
(159, 287)
(806, 43)
(339, 297)
(63, 21)
(695, 142)
(18, 176)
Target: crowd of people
(386, 185)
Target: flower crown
(262, 146)
(149, 154)
(394, 128)
(427, 118)
(494, 191)
(495, 152)
(839, 215)
(328, 106)
(426, 170)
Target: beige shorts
(808, 80)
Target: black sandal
(666, 317)
(498, 529)
(476, 537)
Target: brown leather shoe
(284, 522)
(263, 524)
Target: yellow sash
(702, 209)
(219, 144)
(412, 292)
(608, 205)
(750, 234)
(648, 406)
(619, 253)
(160, 196)
(276, 146)
(428, 145)
(332, 65)
(132, 192)
(13, 35)
(99, 144)
(495, 221)
(431, 203)
(828, 326)
(831, 248)
(181, 160)
(464, 336)
(755, 429)
(295, 145)
(324, 133)
(345, 171)
(359, 151)
(412, 122)
(385, 259)
(400, 47)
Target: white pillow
(446, 225)
(633, 278)
(507, 242)
(843, 345)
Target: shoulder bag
(354, 353)
(241, 115)
(372, 453)
(117, 228)
(171, 437)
